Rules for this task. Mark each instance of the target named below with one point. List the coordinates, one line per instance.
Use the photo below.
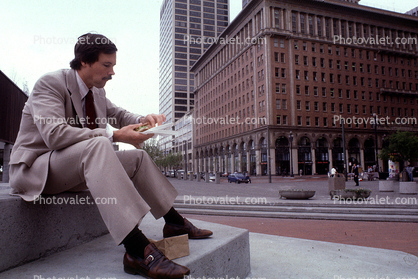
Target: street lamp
(186, 159)
(375, 140)
(268, 154)
(344, 151)
(291, 157)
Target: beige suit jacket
(52, 119)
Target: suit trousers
(130, 179)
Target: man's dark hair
(88, 48)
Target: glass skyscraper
(187, 29)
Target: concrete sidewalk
(270, 191)
(272, 257)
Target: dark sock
(135, 243)
(173, 217)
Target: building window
(277, 18)
(283, 88)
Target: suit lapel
(72, 87)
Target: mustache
(108, 78)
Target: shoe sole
(136, 272)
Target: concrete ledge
(30, 231)
(225, 255)
(386, 185)
(408, 187)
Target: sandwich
(143, 127)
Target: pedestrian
(355, 171)
(333, 172)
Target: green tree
(154, 151)
(402, 148)
(174, 160)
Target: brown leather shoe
(188, 228)
(155, 265)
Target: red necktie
(90, 111)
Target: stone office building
(307, 67)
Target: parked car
(212, 177)
(170, 173)
(237, 178)
(180, 173)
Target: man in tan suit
(64, 145)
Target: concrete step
(304, 211)
(272, 257)
(305, 208)
(295, 215)
(226, 253)
(31, 230)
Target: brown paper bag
(173, 247)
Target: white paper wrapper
(162, 130)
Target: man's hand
(153, 119)
(127, 134)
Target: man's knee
(99, 143)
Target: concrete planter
(408, 188)
(350, 194)
(296, 194)
(386, 185)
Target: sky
(37, 37)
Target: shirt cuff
(109, 133)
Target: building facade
(187, 29)
(13, 100)
(272, 97)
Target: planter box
(386, 185)
(408, 187)
(352, 194)
(296, 194)
(336, 182)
